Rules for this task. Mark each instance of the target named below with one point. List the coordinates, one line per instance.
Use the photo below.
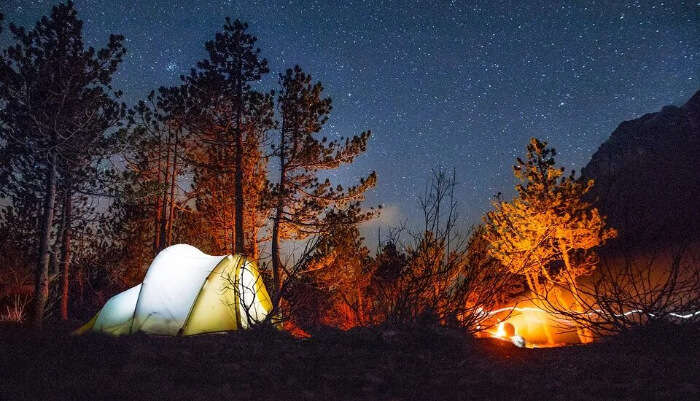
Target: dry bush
(441, 274)
(293, 298)
(633, 288)
(330, 289)
(16, 309)
(438, 275)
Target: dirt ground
(362, 364)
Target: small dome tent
(187, 292)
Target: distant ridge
(648, 175)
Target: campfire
(530, 327)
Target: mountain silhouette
(647, 175)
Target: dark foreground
(363, 364)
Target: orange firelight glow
(531, 327)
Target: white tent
(187, 292)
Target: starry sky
(441, 84)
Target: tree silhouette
(58, 103)
(300, 199)
(232, 119)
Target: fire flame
(531, 327)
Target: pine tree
(57, 100)
(300, 200)
(214, 181)
(548, 233)
(231, 124)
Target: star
(438, 86)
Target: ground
(362, 364)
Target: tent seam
(138, 298)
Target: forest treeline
(99, 187)
(92, 190)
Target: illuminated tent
(187, 292)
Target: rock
(647, 175)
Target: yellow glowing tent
(187, 292)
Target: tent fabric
(170, 287)
(186, 292)
(246, 301)
(116, 316)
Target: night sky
(440, 83)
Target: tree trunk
(171, 215)
(159, 206)
(66, 259)
(156, 224)
(584, 334)
(276, 261)
(41, 283)
(534, 284)
(238, 164)
(360, 306)
(255, 246)
(81, 284)
(164, 203)
(232, 229)
(53, 261)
